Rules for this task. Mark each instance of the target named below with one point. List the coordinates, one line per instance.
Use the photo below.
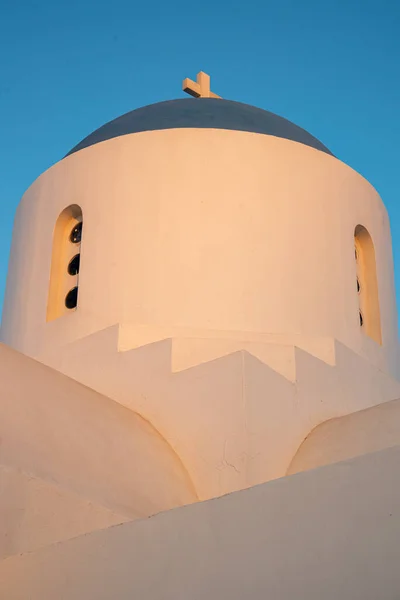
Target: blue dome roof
(208, 113)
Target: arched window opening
(65, 263)
(367, 284)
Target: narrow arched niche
(66, 248)
(367, 284)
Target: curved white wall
(359, 433)
(206, 230)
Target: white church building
(200, 368)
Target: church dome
(203, 113)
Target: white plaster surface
(199, 229)
(36, 513)
(356, 434)
(217, 326)
(234, 421)
(64, 433)
(324, 534)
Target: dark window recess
(71, 299)
(76, 234)
(361, 318)
(358, 283)
(73, 267)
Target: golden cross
(199, 88)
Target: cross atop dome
(199, 88)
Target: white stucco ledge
(353, 435)
(36, 513)
(328, 533)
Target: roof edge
(201, 113)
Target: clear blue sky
(331, 66)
